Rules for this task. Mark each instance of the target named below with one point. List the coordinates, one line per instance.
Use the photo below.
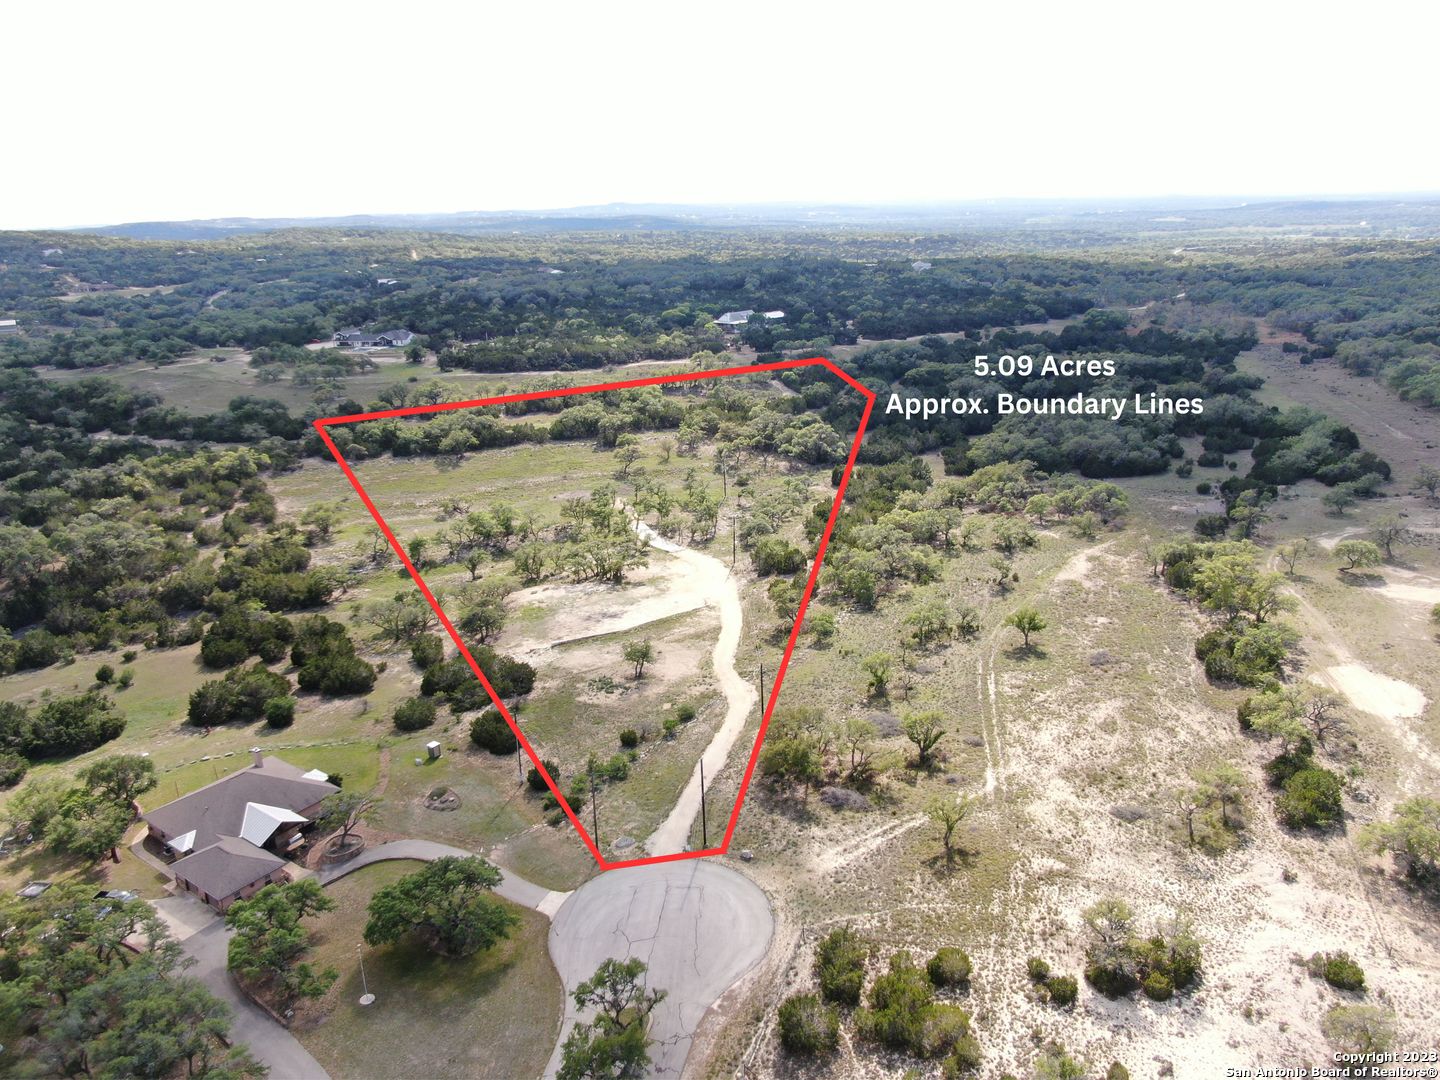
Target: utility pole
(735, 514)
(594, 805)
(762, 686)
(519, 764)
(704, 830)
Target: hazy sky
(124, 112)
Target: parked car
(115, 897)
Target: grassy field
(495, 1014)
(211, 378)
(155, 708)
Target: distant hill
(1178, 214)
(567, 221)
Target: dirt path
(848, 850)
(712, 578)
(1372, 692)
(988, 697)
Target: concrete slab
(184, 914)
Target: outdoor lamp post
(366, 997)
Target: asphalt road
(698, 926)
(268, 1041)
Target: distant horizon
(1219, 200)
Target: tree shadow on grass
(882, 797)
(1357, 579)
(1033, 651)
(780, 635)
(960, 858)
(934, 765)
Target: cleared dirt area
(589, 705)
(1388, 698)
(1072, 749)
(561, 613)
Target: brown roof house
(229, 836)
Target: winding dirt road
(712, 578)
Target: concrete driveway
(271, 1044)
(184, 915)
(698, 926)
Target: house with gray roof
(229, 838)
(230, 869)
(373, 339)
(733, 320)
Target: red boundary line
(322, 424)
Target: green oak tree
(615, 1042)
(269, 945)
(448, 904)
(1028, 621)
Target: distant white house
(387, 281)
(373, 339)
(9, 326)
(733, 320)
